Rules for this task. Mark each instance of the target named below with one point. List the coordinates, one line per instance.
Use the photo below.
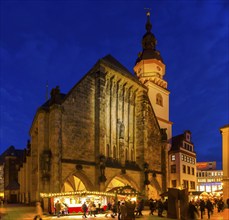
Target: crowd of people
(129, 210)
(200, 207)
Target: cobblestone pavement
(21, 212)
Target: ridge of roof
(114, 62)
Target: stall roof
(124, 190)
(80, 193)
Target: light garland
(81, 193)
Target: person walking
(152, 206)
(118, 210)
(39, 212)
(209, 207)
(202, 208)
(84, 209)
(123, 211)
(140, 207)
(192, 211)
(93, 209)
(58, 208)
(160, 207)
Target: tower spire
(148, 23)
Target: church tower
(150, 70)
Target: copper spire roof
(149, 44)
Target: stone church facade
(103, 133)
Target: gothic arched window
(159, 99)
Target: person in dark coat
(220, 205)
(209, 207)
(58, 208)
(84, 209)
(123, 211)
(160, 207)
(192, 211)
(140, 207)
(152, 206)
(202, 208)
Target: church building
(110, 130)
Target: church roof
(108, 60)
(177, 142)
(116, 65)
(11, 151)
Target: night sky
(57, 42)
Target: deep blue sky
(59, 41)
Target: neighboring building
(1, 180)
(209, 179)
(102, 134)
(10, 164)
(182, 162)
(225, 160)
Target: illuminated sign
(206, 165)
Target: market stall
(71, 202)
(126, 193)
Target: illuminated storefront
(74, 200)
(208, 178)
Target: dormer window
(159, 99)
(188, 137)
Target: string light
(48, 195)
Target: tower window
(174, 183)
(173, 168)
(159, 99)
(184, 169)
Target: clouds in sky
(59, 41)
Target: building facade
(182, 163)
(1, 181)
(10, 160)
(225, 155)
(209, 179)
(102, 134)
